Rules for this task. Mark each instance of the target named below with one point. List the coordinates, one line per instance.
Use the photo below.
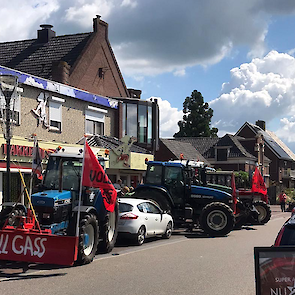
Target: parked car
(286, 235)
(141, 219)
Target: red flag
(94, 176)
(258, 184)
(234, 191)
(37, 161)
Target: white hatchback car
(142, 219)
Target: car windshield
(288, 237)
(123, 207)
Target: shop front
(21, 162)
(130, 167)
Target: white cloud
(169, 118)
(84, 14)
(263, 89)
(153, 37)
(21, 19)
(130, 3)
(179, 73)
(287, 129)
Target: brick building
(69, 86)
(86, 61)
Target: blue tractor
(56, 206)
(171, 185)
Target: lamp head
(8, 84)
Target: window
(173, 174)
(137, 121)
(94, 120)
(141, 207)
(150, 125)
(153, 209)
(154, 174)
(131, 120)
(123, 207)
(55, 116)
(142, 123)
(222, 155)
(93, 127)
(124, 120)
(71, 174)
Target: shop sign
(21, 150)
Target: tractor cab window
(174, 181)
(71, 174)
(154, 175)
(52, 174)
(173, 174)
(68, 169)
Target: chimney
(134, 93)
(260, 124)
(96, 23)
(45, 34)
(61, 72)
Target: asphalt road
(188, 263)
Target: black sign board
(275, 270)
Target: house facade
(83, 60)
(86, 62)
(71, 86)
(257, 140)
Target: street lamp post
(8, 85)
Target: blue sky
(238, 54)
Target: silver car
(141, 219)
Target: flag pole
(32, 172)
(80, 191)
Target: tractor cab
(59, 193)
(63, 174)
(170, 176)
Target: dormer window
(222, 154)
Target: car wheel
(168, 232)
(140, 237)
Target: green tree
(242, 179)
(196, 119)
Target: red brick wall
(85, 73)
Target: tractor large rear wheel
(264, 211)
(88, 239)
(217, 219)
(109, 231)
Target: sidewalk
(276, 208)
